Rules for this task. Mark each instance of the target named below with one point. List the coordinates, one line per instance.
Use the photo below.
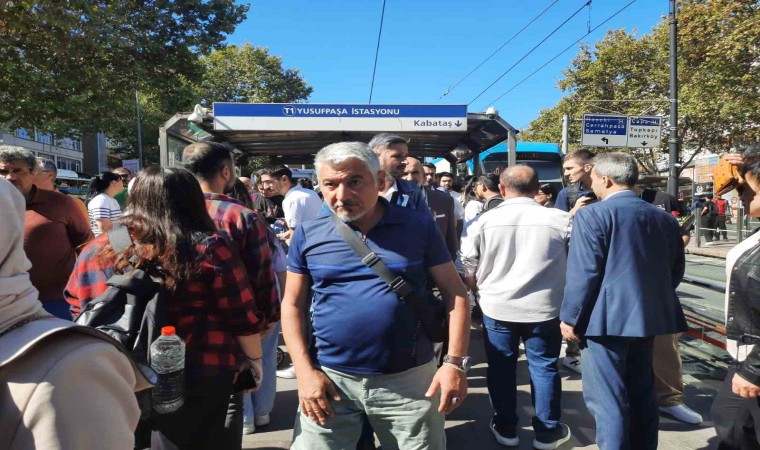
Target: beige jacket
(65, 387)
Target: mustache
(346, 204)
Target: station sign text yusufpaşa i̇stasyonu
(329, 117)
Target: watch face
(466, 364)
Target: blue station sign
(338, 117)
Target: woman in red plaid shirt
(211, 302)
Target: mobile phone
(245, 381)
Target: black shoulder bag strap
(431, 314)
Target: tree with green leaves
(718, 71)
(249, 74)
(75, 65)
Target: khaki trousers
(666, 361)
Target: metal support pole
(697, 227)
(565, 132)
(139, 132)
(512, 144)
(476, 163)
(739, 224)
(673, 140)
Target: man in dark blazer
(392, 151)
(626, 260)
(441, 205)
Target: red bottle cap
(168, 331)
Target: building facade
(85, 156)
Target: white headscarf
(19, 300)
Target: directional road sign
(645, 132)
(601, 130)
(329, 117)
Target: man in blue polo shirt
(369, 356)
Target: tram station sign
(604, 130)
(331, 117)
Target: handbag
(430, 311)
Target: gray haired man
(369, 355)
(54, 229)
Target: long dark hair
(99, 184)
(167, 215)
(240, 193)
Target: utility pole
(139, 132)
(565, 132)
(673, 140)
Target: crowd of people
(595, 264)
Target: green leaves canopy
(75, 65)
(718, 72)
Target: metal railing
(703, 325)
(739, 229)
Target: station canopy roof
(484, 130)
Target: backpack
(573, 194)
(712, 208)
(132, 310)
(721, 204)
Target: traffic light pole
(673, 139)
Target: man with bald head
(515, 255)
(440, 204)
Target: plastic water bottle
(167, 359)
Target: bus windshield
(547, 170)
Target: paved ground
(467, 427)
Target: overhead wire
(530, 51)
(562, 52)
(448, 91)
(377, 52)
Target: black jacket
(743, 315)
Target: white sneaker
(682, 413)
(248, 427)
(261, 421)
(573, 363)
(289, 372)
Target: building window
(70, 164)
(69, 143)
(23, 133)
(45, 138)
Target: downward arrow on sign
(644, 143)
(458, 123)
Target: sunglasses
(124, 177)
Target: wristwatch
(461, 362)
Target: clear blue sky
(428, 45)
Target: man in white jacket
(515, 255)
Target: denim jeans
(542, 345)
(261, 402)
(618, 387)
